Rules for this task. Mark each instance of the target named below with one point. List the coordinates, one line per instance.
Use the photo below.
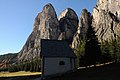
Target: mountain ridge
(105, 20)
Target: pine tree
(80, 52)
(106, 52)
(27, 66)
(116, 49)
(92, 47)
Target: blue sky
(17, 18)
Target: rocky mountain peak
(48, 11)
(46, 26)
(48, 6)
(70, 13)
(49, 25)
(68, 22)
(84, 23)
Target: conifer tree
(80, 52)
(106, 51)
(92, 47)
(116, 49)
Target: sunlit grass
(20, 73)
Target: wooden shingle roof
(56, 48)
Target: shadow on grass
(105, 72)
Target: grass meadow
(21, 75)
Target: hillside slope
(106, 72)
(7, 59)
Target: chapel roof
(56, 48)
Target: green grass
(20, 73)
(105, 72)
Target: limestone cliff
(46, 26)
(84, 23)
(106, 19)
(68, 20)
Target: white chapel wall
(51, 65)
